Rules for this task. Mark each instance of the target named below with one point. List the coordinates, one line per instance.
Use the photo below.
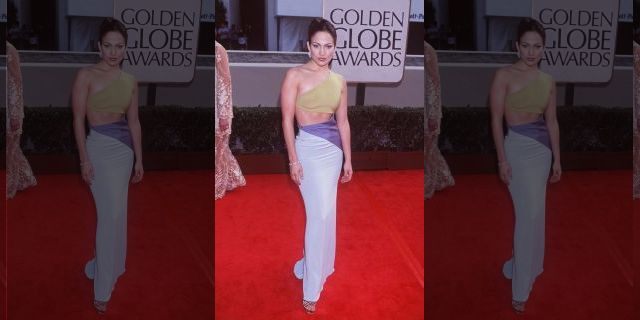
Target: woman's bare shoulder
(295, 73)
(297, 70)
(86, 74)
(503, 74)
(505, 71)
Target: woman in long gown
(107, 98)
(437, 173)
(316, 98)
(636, 120)
(19, 174)
(525, 97)
(228, 173)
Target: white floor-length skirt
(111, 155)
(320, 154)
(528, 153)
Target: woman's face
(112, 48)
(321, 47)
(530, 48)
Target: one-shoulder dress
(110, 151)
(528, 152)
(319, 151)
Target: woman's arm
(342, 119)
(554, 132)
(15, 102)
(288, 94)
(79, 95)
(636, 71)
(434, 104)
(136, 133)
(224, 93)
(496, 99)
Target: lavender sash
(118, 130)
(327, 130)
(536, 130)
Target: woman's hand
(224, 124)
(14, 124)
(138, 172)
(432, 125)
(557, 172)
(295, 169)
(348, 172)
(87, 172)
(505, 172)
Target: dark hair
(529, 24)
(319, 24)
(111, 24)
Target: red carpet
(3, 251)
(588, 262)
(636, 256)
(259, 232)
(169, 258)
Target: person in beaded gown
(228, 173)
(636, 114)
(19, 173)
(437, 173)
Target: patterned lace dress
(636, 118)
(228, 173)
(437, 173)
(19, 174)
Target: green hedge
(582, 129)
(255, 129)
(164, 128)
(373, 128)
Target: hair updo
(318, 25)
(111, 24)
(529, 24)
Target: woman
(108, 98)
(228, 173)
(636, 119)
(437, 174)
(19, 174)
(316, 98)
(525, 97)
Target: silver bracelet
(291, 164)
